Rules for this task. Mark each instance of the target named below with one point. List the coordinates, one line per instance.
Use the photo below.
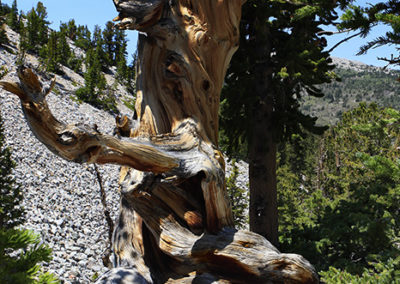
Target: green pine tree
(70, 29)
(11, 212)
(281, 58)
(238, 198)
(20, 250)
(349, 218)
(109, 44)
(3, 34)
(83, 38)
(364, 19)
(2, 9)
(95, 91)
(12, 17)
(48, 53)
(36, 29)
(63, 50)
(43, 24)
(98, 46)
(122, 68)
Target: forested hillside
(339, 197)
(97, 56)
(357, 83)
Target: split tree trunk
(175, 223)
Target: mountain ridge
(359, 82)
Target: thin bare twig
(106, 256)
(329, 33)
(344, 40)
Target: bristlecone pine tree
(175, 223)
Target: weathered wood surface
(175, 223)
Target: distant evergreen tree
(36, 29)
(75, 63)
(49, 53)
(94, 77)
(83, 37)
(3, 34)
(238, 198)
(95, 92)
(20, 250)
(32, 22)
(70, 29)
(109, 43)
(63, 50)
(98, 46)
(124, 73)
(4, 10)
(122, 68)
(349, 218)
(43, 24)
(11, 212)
(12, 17)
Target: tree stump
(175, 223)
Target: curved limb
(82, 143)
(177, 156)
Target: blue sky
(92, 12)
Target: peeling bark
(175, 223)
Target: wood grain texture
(175, 223)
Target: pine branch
(392, 61)
(329, 33)
(373, 44)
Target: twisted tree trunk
(175, 223)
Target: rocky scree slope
(61, 199)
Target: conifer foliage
(107, 48)
(364, 19)
(104, 50)
(36, 29)
(12, 16)
(281, 58)
(11, 212)
(20, 250)
(347, 220)
(3, 34)
(238, 198)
